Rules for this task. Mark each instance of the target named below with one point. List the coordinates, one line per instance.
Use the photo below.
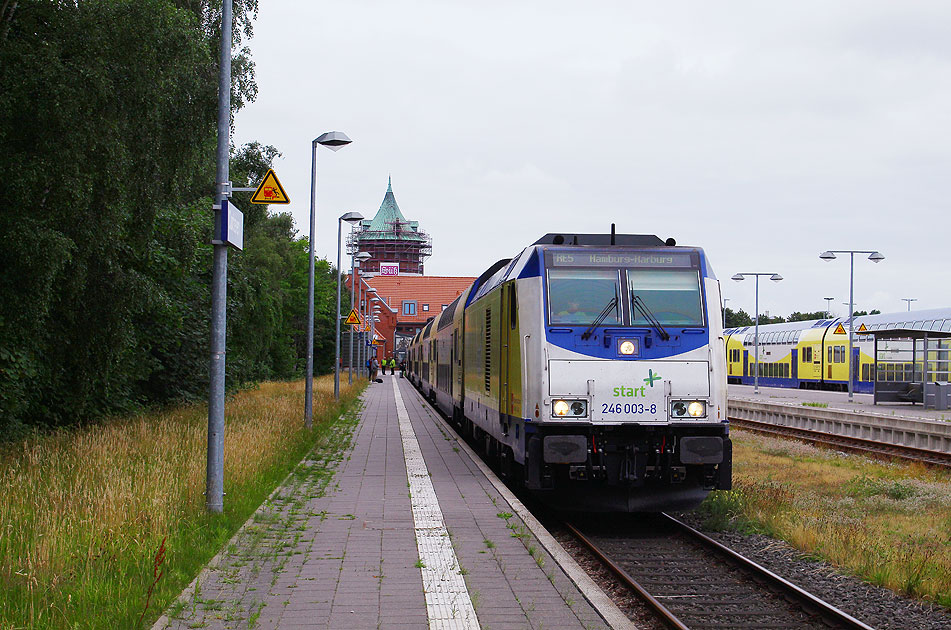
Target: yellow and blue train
(814, 354)
(591, 368)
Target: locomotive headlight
(569, 408)
(627, 347)
(688, 409)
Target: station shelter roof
(430, 294)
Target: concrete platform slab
(410, 532)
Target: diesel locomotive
(592, 369)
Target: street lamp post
(361, 257)
(333, 140)
(725, 300)
(909, 300)
(775, 277)
(828, 303)
(875, 257)
(350, 217)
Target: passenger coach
(592, 368)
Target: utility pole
(214, 482)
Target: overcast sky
(762, 132)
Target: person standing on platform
(402, 368)
(374, 368)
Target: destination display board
(613, 258)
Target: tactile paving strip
(448, 604)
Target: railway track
(693, 582)
(851, 444)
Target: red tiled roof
(432, 290)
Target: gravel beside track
(875, 606)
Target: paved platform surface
(343, 550)
(861, 403)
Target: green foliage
(108, 123)
(736, 319)
(796, 316)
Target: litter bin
(942, 396)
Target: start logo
(637, 392)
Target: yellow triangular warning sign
(353, 318)
(366, 328)
(270, 190)
(839, 330)
(862, 328)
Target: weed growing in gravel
(887, 523)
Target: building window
(445, 306)
(425, 307)
(409, 307)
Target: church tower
(389, 238)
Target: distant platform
(861, 403)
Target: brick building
(409, 298)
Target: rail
(710, 602)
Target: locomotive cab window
(578, 295)
(671, 296)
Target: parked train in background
(814, 354)
(592, 369)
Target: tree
(796, 316)
(736, 319)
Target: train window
(807, 354)
(919, 325)
(829, 358)
(513, 307)
(577, 296)
(946, 326)
(672, 296)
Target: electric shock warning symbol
(270, 190)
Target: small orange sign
(839, 330)
(353, 319)
(862, 328)
(270, 190)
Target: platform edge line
(599, 600)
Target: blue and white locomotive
(592, 368)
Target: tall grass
(83, 513)
(888, 523)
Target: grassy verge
(84, 514)
(887, 523)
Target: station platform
(861, 403)
(412, 531)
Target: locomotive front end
(632, 411)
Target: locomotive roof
(601, 240)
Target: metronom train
(591, 369)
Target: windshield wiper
(604, 313)
(638, 302)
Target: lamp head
(775, 277)
(738, 277)
(827, 256)
(876, 257)
(352, 217)
(364, 256)
(333, 140)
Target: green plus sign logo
(651, 377)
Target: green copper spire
(389, 222)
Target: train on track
(591, 368)
(815, 354)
